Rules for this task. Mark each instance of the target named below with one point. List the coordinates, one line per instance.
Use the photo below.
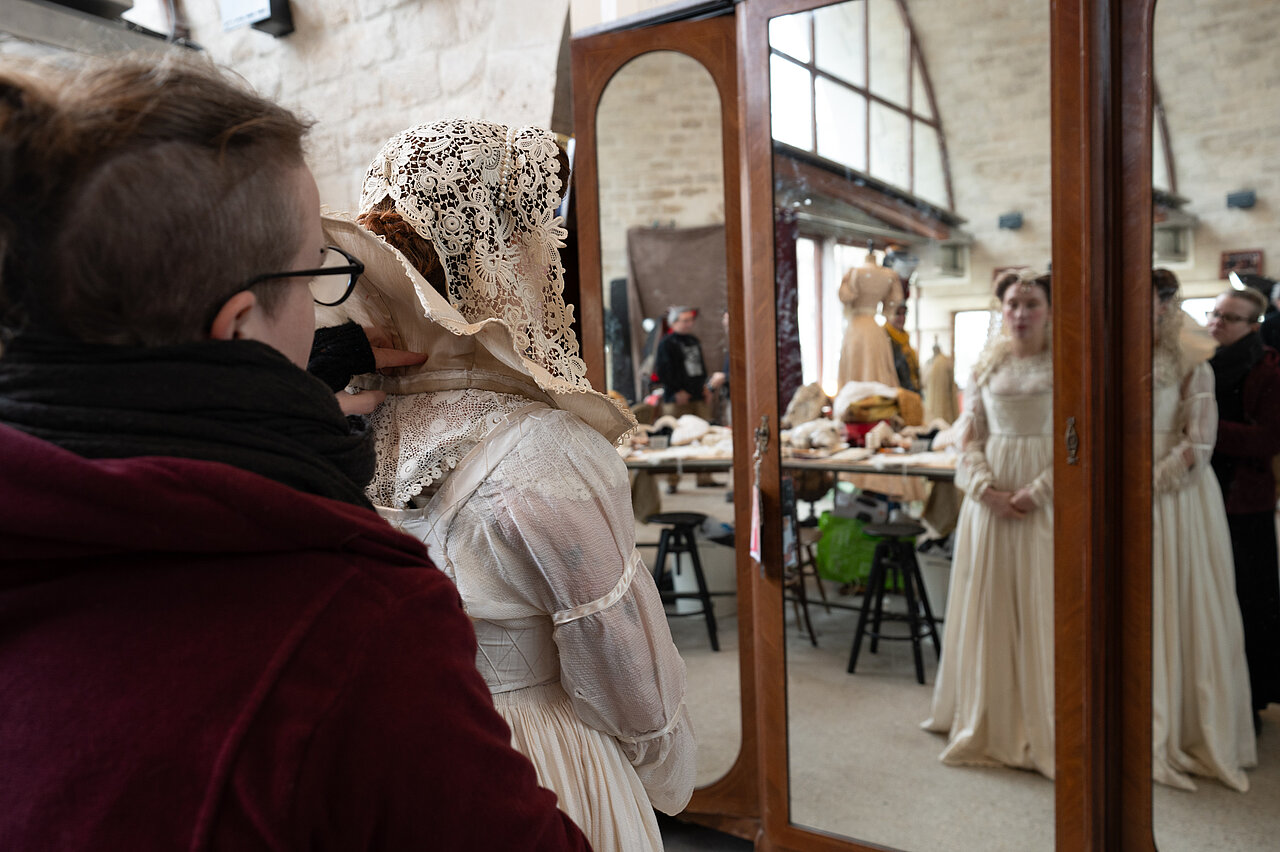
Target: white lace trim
(422, 437)
(485, 196)
(1169, 363)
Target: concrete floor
(861, 767)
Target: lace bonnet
(394, 296)
(485, 196)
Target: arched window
(866, 100)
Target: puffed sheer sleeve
(973, 475)
(564, 506)
(1198, 422)
(1041, 488)
(849, 286)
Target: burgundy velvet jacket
(1254, 443)
(195, 657)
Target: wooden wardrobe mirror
(656, 175)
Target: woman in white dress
(1201, 722)
(994, 690)
(499, 455)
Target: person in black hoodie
(1247, 380)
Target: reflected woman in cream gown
(994, 691)
(498, 454)
(1200, 715)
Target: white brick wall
(366, 70)
(659, 151)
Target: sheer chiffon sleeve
(973, 475)
(563, 505)
(1198, 421)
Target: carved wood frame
(732, 803)
(1101, 90)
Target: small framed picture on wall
(1244, 262)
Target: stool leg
(886, 571)
(817, 580)
(913, 619)
(802, 600)
(707, 609)
(876, 580)
(660, 561)
(930, 621)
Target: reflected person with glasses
(1247, 388)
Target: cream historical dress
(500, 457)
(1200, 717)
(993, 694)
(866, 355)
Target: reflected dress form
(1200, 717)
(866, 354)
(994, 690)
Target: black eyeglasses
(1226, 317)
(331, 284)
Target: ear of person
(235, 319)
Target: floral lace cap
(485, 196)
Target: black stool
(676, 538)
(896, 555)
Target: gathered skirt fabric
(599, 790)
(1201, 721)
(993, 694)
(866, 355)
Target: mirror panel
(661, 188)
(859, 764)
(1218, 143)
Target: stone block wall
(659, 152)
(1215, 64)
(364, 71)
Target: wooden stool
(896, 554)
(677, 537)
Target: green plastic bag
(843, 553)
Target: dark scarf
(237, 402)
(1231, 365)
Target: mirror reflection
(1216, 589)
(663, 265)
(914, 313)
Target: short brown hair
(1253, 297)
(137, 195)
(1008, 279)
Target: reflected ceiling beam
(795, 168)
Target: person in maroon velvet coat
(1247, 377)
(208, 639)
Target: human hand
(716, 380)
(1023, 501)
(386, 355)
(1001, 504)
(682, 397)
(364, 402)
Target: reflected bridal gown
(1200, 718)
(994, 689)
